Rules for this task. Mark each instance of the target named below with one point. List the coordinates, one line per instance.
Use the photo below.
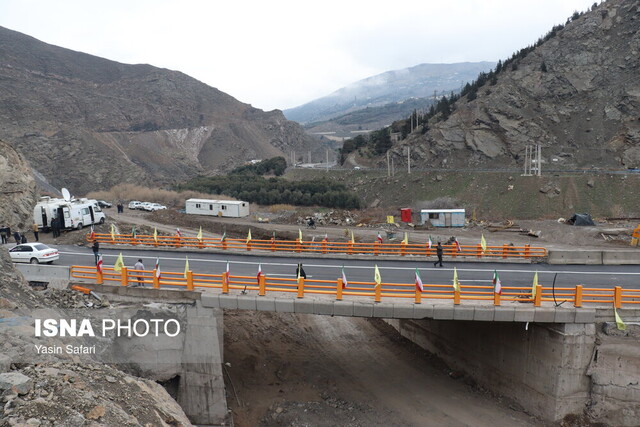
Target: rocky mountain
(576, 93)
(421, 81)
(87, 123)
(17, 189)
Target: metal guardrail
(262, 284)
(325, 247)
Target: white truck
(73, 214)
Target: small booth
(443, 217)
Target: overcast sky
(284, 53)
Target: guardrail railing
(325, 247)
(578, 295)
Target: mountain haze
(577, 93)
(88, 123)
(421, 81)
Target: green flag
(377, 277)
(186, 266)
(534, 287)
(456, 282)
(119, 263)
(621, 325)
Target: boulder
(15, 381)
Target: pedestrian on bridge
(300, 272)
(439, 252)
(139, 266)
(96, 249)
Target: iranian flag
(259, 272)
(99, 264)
(158, 268)
(458, 248)
(178, 232)
(379, 237)
(344, 279)
(430, 242)
(497, 286)
(93, 234)
(419, 285)
(326, 237)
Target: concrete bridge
(553, 360)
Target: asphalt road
(469, 273)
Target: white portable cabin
(229, 208)
(443, 217)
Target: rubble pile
(72, 394)
(338, 217)
(67, 298)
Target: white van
(71, 213)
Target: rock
(438, 178)
(591, 183)
(5, 363)
(375, 203)
(33, 422)
(96, 412)
(16, 381)
(7, 305)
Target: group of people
(120, 207)
(56, 226)
(18, 237)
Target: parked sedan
(104, 204)
(34, 253)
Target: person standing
(17, 237)
(439, 252)
(96, 250)
(3, 234)
(300, 272)
(35, 230)
(139, 266)
(54, 227)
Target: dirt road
(304, 370)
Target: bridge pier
(552, 370)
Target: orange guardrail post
(262, 285)
(273, 245)
(527, 251)
(505, 250)
(189, 280)
(298, 246)
(378, 293)
(178, 242)
(538, 298)
(124, 276)
(496, 298)
(99, 277)
(350, 247)
(225, 282)
(403, 249)
(224, 244)
(156, 279)
(617, 297)
(301, 287)
(479, 250)
(339, 285)
(418, 299)
(376, 248)
(249, 245)
(577, 299)
(456, 297)
(324, 247)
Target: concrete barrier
(621, 257)
(43, 273)
(575, 257)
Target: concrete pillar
(201, 393)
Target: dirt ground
(304, 370)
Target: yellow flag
(621, 325)
(119, 263)
(376, 276)
(389, 219)
(186, 266)
(113, 232)
(249, 236)
(353, 239)
(534, 287)
(155, 234)
(483, 243)
(299, 235)
(199, 236)
(406, 238)
(456, 282)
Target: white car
(155, 207)
(34, 253)
(135, 204)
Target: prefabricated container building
(443, 217)
(228, 208)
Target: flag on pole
(430, 242)
(376, 276)
(273, 237)
(224, 236)
(456, 282)
(619, 323)
(344, 279)
(133, 232)
(419, 285)
(99, 264)
(249, 236)
(259, 272)
(158, 268)
(497, 285)
(178, 232)
(326, 237)
(483, 243)
(113, 232)
(92, 236)
(119, 263)
(389, 219)
(199, 236)
(534, 287)
(406, 238)
(186, 266)
(458, 247)
(379, 238)
(155, 234)
(225, 276)
(299, 235)
(353, 239)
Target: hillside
(577, 93)
(88, 123)
(395, 86)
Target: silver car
(34, 253)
